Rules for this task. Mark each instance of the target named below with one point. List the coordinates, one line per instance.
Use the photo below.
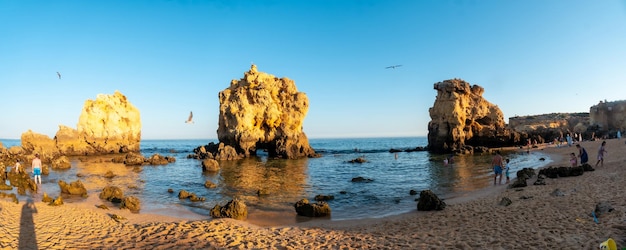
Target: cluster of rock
(552, 172)
(21, 181)
(184, 194)
(260, 112)
(116, 195)
(556, 172)
(52, 202)
(136, 159)
(108, 124)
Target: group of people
(499, 165)
(584, 158)
(36, 169)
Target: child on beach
(497, 167)
(37, 169)
(506, 172)
(573, 160)
(601, 152)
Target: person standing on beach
(497, 167)
(37, 169)
(582, 153)
(601, 153)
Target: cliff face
(460, 116)
(261, 111)
(609, 116)
(547, 127)
(109, 124)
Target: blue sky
(172, 57)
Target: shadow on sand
(28, 239)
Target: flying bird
(393, 67)
(189, 120)
(59, 74)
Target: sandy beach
(536, 219)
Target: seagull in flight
(59, 74)
(393, 67)
(189, 120)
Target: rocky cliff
(109, 124)
(460, 117)
(547, 127)
(608, 117)
(261, 111)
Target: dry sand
(535, 220)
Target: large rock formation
(261, 111)
(109, 124)
(460, 116)
(608, 117)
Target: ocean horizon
(391, 177)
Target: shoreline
(535, 219)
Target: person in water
(37, 169)
(497, 167)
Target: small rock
(102, 206)
(116, 217)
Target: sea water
(392, 175)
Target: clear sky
(172, 57)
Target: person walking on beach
(582, 153)
(601, 152)
(37, 169)
(497, 167)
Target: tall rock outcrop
(261, 111)
(108, 124)
(460, 116)
(608, 117)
